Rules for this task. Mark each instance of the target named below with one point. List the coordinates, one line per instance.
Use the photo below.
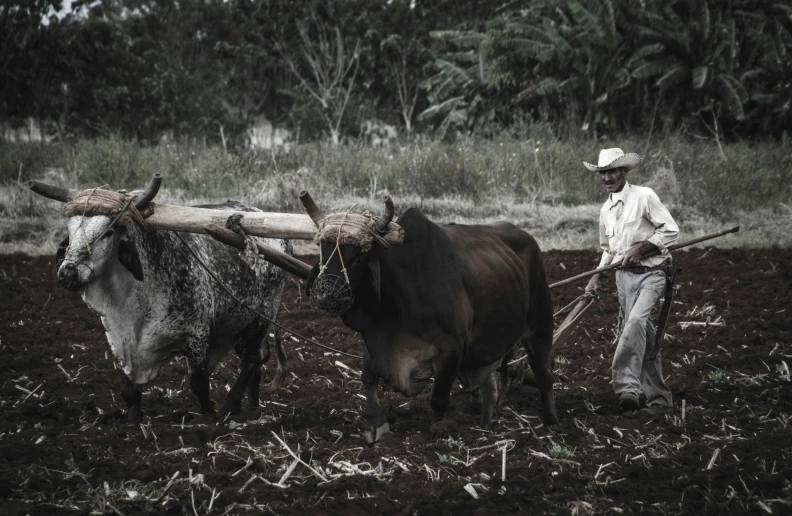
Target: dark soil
(67, 447)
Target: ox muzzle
(69, 276)
(331, 294)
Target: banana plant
(458, 90)
(690, 54)
(770, 41)
(576, 48)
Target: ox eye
(108, 233)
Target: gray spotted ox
(445, 302)
(156, 296)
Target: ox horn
(387, 215)
(311, 208)
(52, 192)
(149, 193)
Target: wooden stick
(285, 446)
(565, 328)
(647, 255)
(194, 220)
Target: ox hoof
(444, 428)
(550, 420)
(373, 434)
(134, 417)
(228, 410)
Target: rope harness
(98, 201)
(331, 294)
(250, 253)
(574, 301)
(328, 294)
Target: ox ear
(61, 254)
(374, 272)
(128, 256)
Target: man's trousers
(633, 371)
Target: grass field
(537, 183)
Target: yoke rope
(97, 201)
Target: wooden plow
(564, 330)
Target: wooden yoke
(276, 257)
(255, 223)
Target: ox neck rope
(115, 219)
(336, 249)
(246, 305)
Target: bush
(539, 184)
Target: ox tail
(281, 366)
(540, 308)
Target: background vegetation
(535, 182)
(495, 102)
(205, 70)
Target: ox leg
(539, 359)
(253, 388)
(503, 376)
(132, 394)
(248, 379)
(253, 350)
(199, 383)
(376, 426)
(281, 367)
(444, 380)
(489, 398)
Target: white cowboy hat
(614, 158)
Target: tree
(401, 57)
(768, 42)
(325, 68)
(26, 59)
(573, 51)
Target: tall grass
(538, 183)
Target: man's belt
(671, 273)
(641, 269)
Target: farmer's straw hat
(614, 158)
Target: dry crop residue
(65, 445)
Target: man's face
(614, 179)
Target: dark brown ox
(449, 303)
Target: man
(633, 222)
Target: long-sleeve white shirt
(633, 215)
